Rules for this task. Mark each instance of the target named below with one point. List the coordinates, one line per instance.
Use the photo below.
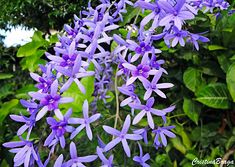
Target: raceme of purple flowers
(84, 44)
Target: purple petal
(88, 131)
(65, 100)
(93, 118)
(112, 144)
(59, 161)
(66, 85)
(76, 121)
(22, 129)
(150, 120)
(14, 144)
(54, 88)
(80, 86)
(126, 124)
(35, 76)
(138, 117)
(85, 109)
(111, 130)
(41, 113)
(77, 130)
(88, 158)
(17, 118)
(134, 137)
(126, 147)
(163, 137)
(73, 150)
(62, 141)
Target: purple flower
(161, 132)
(50, 101)
(76, 161)
(143, 132)
(194, 38)
(142, 158)
(44, 83)
(155, 86)
(74, 74)
(146, 110)
(141, 71)
(129, 91)
(121, 136)
(154, 15)
(177, 14)
(105, 162)
(59, 128)
(29, 123)
(30, 105)
(24, 151)
(177, 37)
(84, 122)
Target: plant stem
(117, 102)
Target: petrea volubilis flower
(76, 161)
(121, 136)
(24, 150)
(49, 102)
(84, 122)
(142, 158)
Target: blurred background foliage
(204, 80)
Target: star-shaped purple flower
(84, 122)
(59, 128)
(24, 150)
(146, 110)
(49, 102)
(155, 86)
(76, 161)
(121, 136)
(161, 132)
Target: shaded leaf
(5, 76)
(230, 79)
(191, 109)
(6, 108)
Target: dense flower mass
(85, 51)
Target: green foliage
(43, 15)
(34, 50)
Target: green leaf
(215, 96)
(192, 79)
(5, 90)
(78, 96)
(230, 79)
(28, 49)
(6, 108)
(177, 143)
(216, 47)
(5, 76)
(191, 109)
(131, 13)
(53, 39)
(224, 62)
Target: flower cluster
(87, 43)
